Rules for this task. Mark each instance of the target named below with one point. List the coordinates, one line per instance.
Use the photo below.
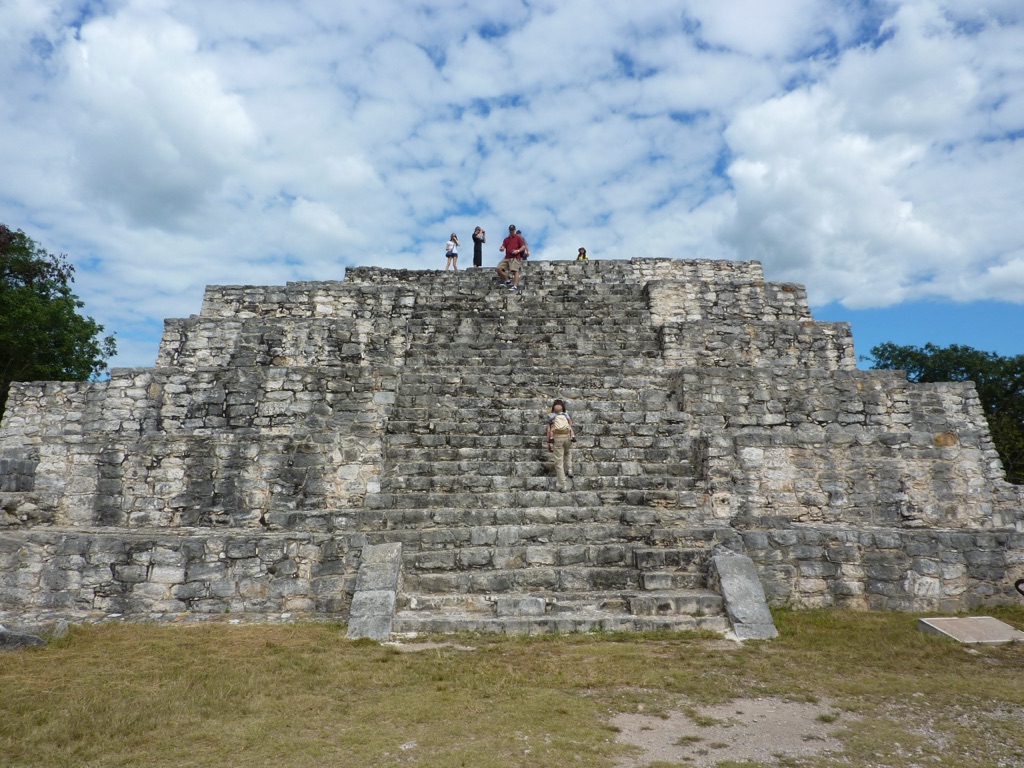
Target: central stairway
(468, 487)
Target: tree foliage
(42, 334)
(999, 381)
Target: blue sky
(993, 326)
(869, 150)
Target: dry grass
(300, 695)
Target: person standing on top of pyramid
(526, 246)
(560, 439)
(451, 251)
(513, 247)
(479, 238)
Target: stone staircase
(468, 488)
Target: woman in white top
(451, 250)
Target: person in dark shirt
(526, 246)
(479, 238)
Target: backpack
(560, 423)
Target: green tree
(999, 381)
(42, 334)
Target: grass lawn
(302, 695)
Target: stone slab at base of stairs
(972, 630)
(736, 578)
(373, 604)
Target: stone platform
(284, 429)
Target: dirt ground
(763, 730)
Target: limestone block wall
(882, 568)
(239, 447)
(856, 447)
(142, 574)
(706, 300)
(350, 298)
(17, 474)
(284, 424)
(202, 342)
(822, 346)
(261, 419)
(695, 271)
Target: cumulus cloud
(870, 150)
(157, 133)
(855, 183)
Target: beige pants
(563, 457)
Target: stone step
(533, 371)
(563, 530)
(477, 338)
(508, 375)
(696, 601)
(496, 323)
(460, 330)
(454, 557)
(456, 323)
(407, 523)
(469, 282)
(459, 393)
(665, 559)
(676, 601)
(540, 612)
(636, 497)
(459, 523)
(523, 579)
(483, 359)
(529, 415)
(536, 467)
(492, 388)
(623, 447)
(440, 301)
(668, 580)
(524, 352)
(402, 449)
(424, 622)
(602, 448)
(684, 544)
(526, 553)
(414, 411)
(674, 438)
(541, 482)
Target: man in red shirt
(513, 247)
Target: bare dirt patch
(762, 730)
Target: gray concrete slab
(972, 630)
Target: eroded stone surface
(286, 428)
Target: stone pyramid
(373, 449)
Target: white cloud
(869, 150)
(158, 133)
(856, 184)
